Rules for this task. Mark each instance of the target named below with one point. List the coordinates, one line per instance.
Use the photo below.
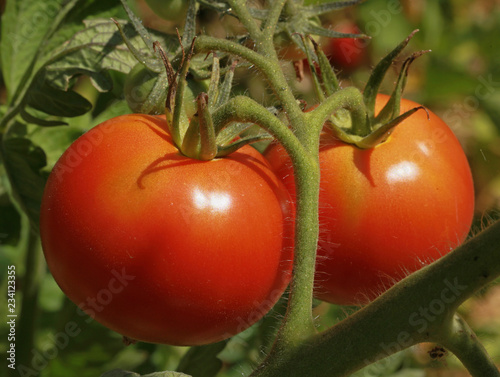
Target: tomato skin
(387, 211)
(203, 249)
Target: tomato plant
(205, 246)
(139, 93)
(192, 243)
(379, 217)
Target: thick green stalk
(239, 7)
(298, 324)
(420, 308)
(461, 340)
(33, 276)
(271, 70)
(246, 110)
(271, 21)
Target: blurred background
(459, 80)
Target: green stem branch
(240, 8)
(33, 276)
(415, 310)
(298, 323)
(269, 26)
(349, 98)
(461, 340)
(246, 110)
(272, 72)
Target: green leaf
(23, 162)
(52, 101)
(10, 221)
(202, 361)
(97, 48)
(21, 40)
(28, 46)
(29, 118)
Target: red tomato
(386, 212)
(346, 54)
(163, 248)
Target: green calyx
(359, 126)
(199, 137)
(174, 82)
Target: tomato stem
(349, 98)
(403, 317)
(32, 279)
(461, 340)
(240, 8)
(272, 19)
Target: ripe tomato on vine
(389, 210)
(206, 244)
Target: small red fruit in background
(346, 54)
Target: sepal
(378, 74)
(392, 108)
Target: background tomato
(162, 248)
(346, 54)
(387, 211)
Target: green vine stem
(239, 7)
(272, 72)
(461, 340)
(33, 276)
(272, 19)
(420, 308)
(298, 323)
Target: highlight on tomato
(160, 247)
(389, 210)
